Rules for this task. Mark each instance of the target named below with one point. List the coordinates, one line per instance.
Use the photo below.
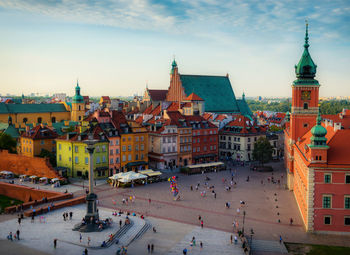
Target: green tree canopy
(262, 150)
(7, 143)
(47, 154)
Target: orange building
(39, 138)
(317, 155)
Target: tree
(262, 150)
(7, 143)
(46, 154)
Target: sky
(116, 47)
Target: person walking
(152, 248)
(291, 221)
(55, 243)
(199, 217)
(202, 223)
(120, 223)
(10, 236)
(149, 201)
(184, 251)
(231, 238)
(201, 245)
(86, 251)
(32, 221)
(236, 240)
(80, 237)
(17, 232)
(70, 215)
(19, 220)
(149, 248)
(281, 239)
(89, 240)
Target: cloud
(271, 18)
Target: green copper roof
(77, 98)
(173, 65)
(244, 108)
(12, 131)
(318, 133)
(31, 108)
(215, 90)
(305, 70)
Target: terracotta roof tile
(193, 97)
(157, 94)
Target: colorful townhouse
(133, 143)
(39, 138)
(73, 155)
(317, 155)
(237, 138)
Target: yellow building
(133, 143)
(39, 138)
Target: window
(116, 160)
(347, 220)
(198, 149)
(142, 138)
(123, 148)
(86, 160)
(59, 157)
(306, 106)
(327, 220)
(136, 139)
(248, 148)
(305, 125)
(116, 151)
(189, 148)
(123, 139)
(103, 148)
(69, 148)
(97, 148)
(142, 156)
(169, 139)
(211, 148)
(347, 202)
(174, 139)
(76, 159)
(116, 142)
(59, 147)
(136, 147)
(347, 179)
(98, 161)
(129, 138)
(129, 147)
(53, 119)
(327, 177)
(42, 142)
(25, 120)
(169, 149)
(326, 201)
(129, 157)
(40, 120)
(104, 159)
(205, 148)
(110, 152)
(194, 149)
(123, 158)
(70, 159)
(248, 139)
(111, 143)
(255, 139)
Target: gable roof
(193, 97)
(215, 90)
(244, 108)
(40, 132)
(157, 94)
(31, 108)
(12, 131)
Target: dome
(318, 131)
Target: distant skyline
(116, 47)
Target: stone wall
(20, 164)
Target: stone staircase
(269, 246)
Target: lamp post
(91, 209)
(243, 222)
(251, 241)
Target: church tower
(78, 105)
(305, 95)
(176, 92)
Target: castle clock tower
(304, 95)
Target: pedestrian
(70, 215)
(236, 240)
(291, 221)
(80, 237)
(281, 239)
(64, 216)
(238, 211)
(54, 243)
(214, 195)
(194, 241)
(152, 248)
(201, 245)
(10, 236)
(32, 221)
(89, 240)
(149, 201)
(149, 248)
(19, 220)
(202, 223)
(199, 217)
(86, 251)
(120, 223)
(17, 232)
(184, 251)
(231, 238)
(191, 188)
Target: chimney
(67, 137)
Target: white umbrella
(43, 178)
(22, 176)
(33, 176)
(6, 172)
(55, 180)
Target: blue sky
(115, 47)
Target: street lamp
(243, 222)
(91, 209)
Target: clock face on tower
(306, 95)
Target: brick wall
(20, 164)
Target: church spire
(306, 45)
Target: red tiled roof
(174, 106)
(220, 117)
(193, 97)
(157, 94)
(148, 110)
(156, 111)
(106, 98)
(139, 120)
(208, 116)
(40, 132)
(339, 149)
(186, 104)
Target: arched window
(25, 120)
(306, 106)
(79, 107)
(40, 120)
(53, 119)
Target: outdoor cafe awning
(206, 165)
(150, 172)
